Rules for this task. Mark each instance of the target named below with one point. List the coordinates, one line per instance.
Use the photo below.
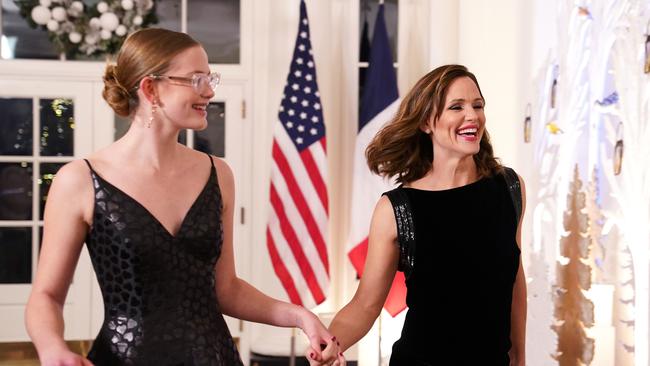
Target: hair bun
(116, 95)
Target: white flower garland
(77, 30)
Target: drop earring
(154, 106)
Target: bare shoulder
(72, 191)
(224, 172)
(73, 176)
(225, 180)
(383, 219)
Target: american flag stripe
(320, 164)
(301, 230)
(311, 210)
(298, 225)
(281, 269)
(316, 179)
(302, 217)
(300, 173)
(292, 239)
(289, 263)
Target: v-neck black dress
(160, 305)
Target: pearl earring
(153, 111)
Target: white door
(43, 125)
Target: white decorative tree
(632, 187)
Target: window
(26, 173)
(367, 17)
(214, 23)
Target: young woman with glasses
(157, 218)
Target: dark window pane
(215, 23)
(57, 127)
(122, 125)
(48, 171)
(368, 15)
(16, 137)
(16, 255)
(15, 191)
(182, 137)
(212, 140)
(169, 14)
(21, 41)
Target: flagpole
(292, 354)
(379, 340)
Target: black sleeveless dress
(159, 290)
(459, 292)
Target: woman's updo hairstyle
(145, 52)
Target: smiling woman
(455, 203)
(157, 219)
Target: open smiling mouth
(468, 132)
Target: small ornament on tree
(573, 311)
(527, 124)
(646, 67)
(618, 150)
(556, 71)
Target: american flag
(297, 230)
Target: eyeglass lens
(200, 81)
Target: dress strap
(211, 161)
(405, 229)
(514, 187)
(89, 166)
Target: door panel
(35, 144)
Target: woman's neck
(450, 173)
(155, 147)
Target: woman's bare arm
(356, 318)
(519, 301)
(66, 216)
(239, 299)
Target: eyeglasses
(197, 81)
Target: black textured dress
(159, 290)
(459, 291)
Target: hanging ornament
(527, 124)
(553, 128)
(646, 68)
(554, 86)
(618, 150)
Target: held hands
(323, 349)
(331, 355)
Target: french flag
(379, 104)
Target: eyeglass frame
(192, 81)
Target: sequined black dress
(459, 290)
(159, 299)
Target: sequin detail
(160, 304)
(405, 230)
(514, 187)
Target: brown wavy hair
(145, 52)
(401, 149)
